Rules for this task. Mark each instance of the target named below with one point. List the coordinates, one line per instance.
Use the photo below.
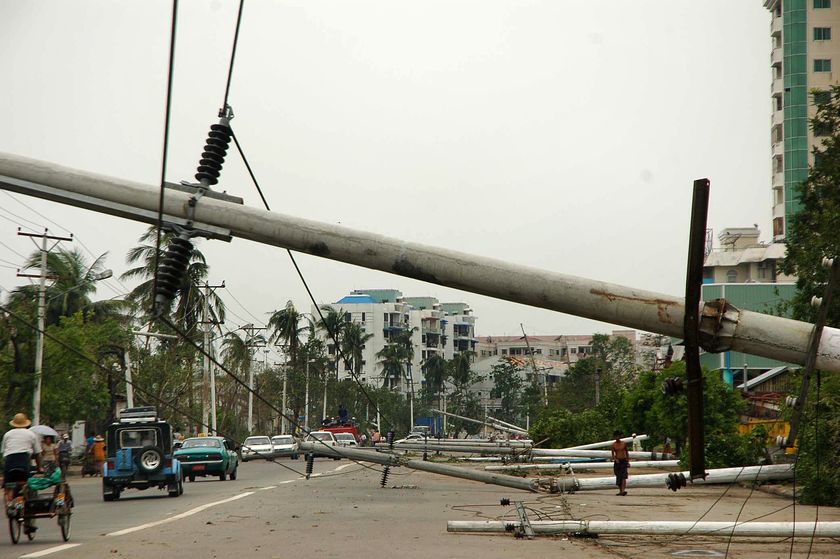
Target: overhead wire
(168, 113)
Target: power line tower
(42, 307)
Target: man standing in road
(19, 446)
(621, 462)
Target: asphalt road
(343, 513)
(93, 518)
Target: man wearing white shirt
(19, 446)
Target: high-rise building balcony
(778, 180)
(776, 57)
(776, 26)
(777, 87)
(779, 210)
(778, 118)
(778, 149)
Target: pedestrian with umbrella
(49, 450)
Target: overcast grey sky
(558, 134)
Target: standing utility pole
(249, 342)
(534, 366)
(208, 375)
(42, 312)
(306, 399)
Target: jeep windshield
(256, 441)
(201, 443)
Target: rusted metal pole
(691, 325)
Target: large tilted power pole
(722, 326)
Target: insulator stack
(171, 271)
(213, 156)
(385, 473)
(310, 463)
(389, 438)
(676, 481)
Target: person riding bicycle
(65, 448)
(19, 447)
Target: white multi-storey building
(437, 328)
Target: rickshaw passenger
(19, 446)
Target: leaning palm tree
(190, 297)
(435, 373)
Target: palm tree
(435, 373)
(333, 323)
(391, 359)
(74, 283)
(286, 326)
(461, 369)
(190, 298)
(353, 344)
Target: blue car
(139, 455)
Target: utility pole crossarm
(722, 326)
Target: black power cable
(165, 148)
(232, 56)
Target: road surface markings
(190, 512)
(342, 467)
(49, 550)
(267, 488)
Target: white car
(257, 447)
(325, 438)
(285, 445)
(345, 439)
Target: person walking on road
(65, 449)
(621, 462)
(19, 447)
(98, 454)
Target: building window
(822, 4)
(573, 350)
(732, 276)
(504, 352)
(822, 33)
(363, 317)
(779, 105)
(822, 65)
(822, 98)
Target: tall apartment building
(804, 55)
(745, 272)
(437, 328)
(564, 348)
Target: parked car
(139, 455)
(257, 447)
(285, 445)
(413, 437)
(345, 439)
(322, 438)
(208, 456)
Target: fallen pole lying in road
(656, 528)
(385, 459)
(721, 475)
(568, 483)
(582, 466)
(586, 453)
(723, 327)
(604, 444)
(496, 426)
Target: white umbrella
(44, 430)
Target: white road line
(288, 481)
(342, 467)
(50, 550)
(267, 488)
(179, 516)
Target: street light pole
(306, 398)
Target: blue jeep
(140, 455)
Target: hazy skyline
(561, 135)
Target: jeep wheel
(222, 476)
(192, 478)
(110, 493)
(150, 459)
(176, 488)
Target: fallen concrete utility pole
(582, 466)
(511, 425)
(469, 449)
(604, 444)
(496, 426)
(657, 528)
(513, 482)
(722, 326)
(721, 475)
(586, 453)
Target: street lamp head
(104, 274)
